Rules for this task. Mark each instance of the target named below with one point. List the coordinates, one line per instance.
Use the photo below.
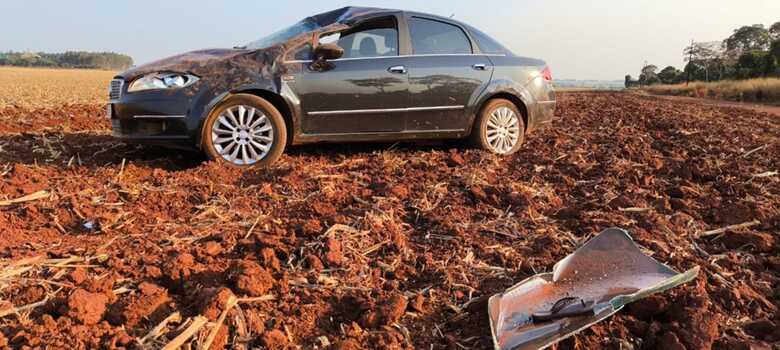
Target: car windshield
(283, 35)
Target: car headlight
(162, 81)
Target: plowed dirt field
(384, 246)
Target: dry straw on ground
(754, 90)
(43, 87)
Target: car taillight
(547, 74)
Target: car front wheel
(499, 128)
(244, 131)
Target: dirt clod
(759, 241)
(334, 254)
(274, 339)
(251, 279)
(133, 310)
(761, 329)
(418, 303)
(214, 302)
(670, 341)
(78, 276)
(86, 307)
(212, 248)
(348, 344)
(388, 312)
(314, 263)
(269, 259)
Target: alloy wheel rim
(242, 135)
(503, 130)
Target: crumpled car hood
(189, 62)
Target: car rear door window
(431, 37)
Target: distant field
(755, 90)
(41, 87)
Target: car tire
(499, 128)
(244, 131)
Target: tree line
(750, 52)
(70, 59)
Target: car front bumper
(155, 117)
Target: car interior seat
(368, 48)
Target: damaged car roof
(349, 15)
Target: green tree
(774, 56)
(650, 69)
(774, 31)
(754, 64)
(709, 57)
(693, 71)
(629, 81)
(775, 50)
(649, 75)
(72, 59)
(670, 75)
(747, 38)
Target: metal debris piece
(89, 226)
(586, 287)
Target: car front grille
(115, 90)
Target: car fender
(505, 86)
(211, 101)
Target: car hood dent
(182, 63)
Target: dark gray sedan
(353, 74)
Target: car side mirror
(329, 51)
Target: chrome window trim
(400, 56)
(388, 110)
(159, 116)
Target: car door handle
(479, 66)
(397, 70)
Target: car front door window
(375, 39)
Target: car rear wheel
(499, 128)
(244, 131)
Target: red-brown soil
(373, 246)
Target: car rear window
(487, 44)
(431, 37)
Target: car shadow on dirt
(94, 151)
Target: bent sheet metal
(586, 287)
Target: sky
(597, 39)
